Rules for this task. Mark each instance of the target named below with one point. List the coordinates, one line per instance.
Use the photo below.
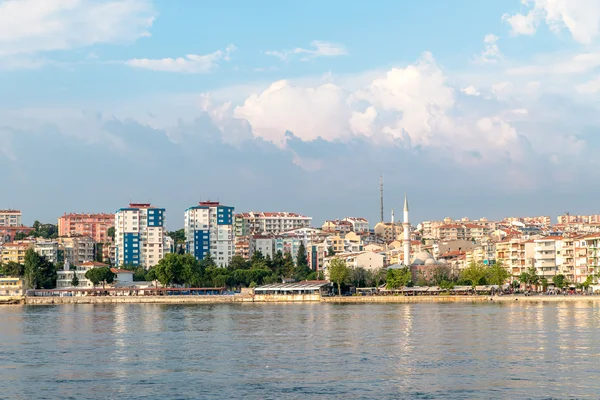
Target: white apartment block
(548, 257)
(140, 235)
(65, 276)
(209, 230)
(264, 244)
(269, 223)
(358, 224)
(11, 218)
(47, 248)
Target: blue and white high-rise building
(140, 235)
(209, 229)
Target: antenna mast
(381, 197)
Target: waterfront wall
(291, 299)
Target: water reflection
(301, 350)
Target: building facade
(12, 286)
(65, 276)
(94, 225)
(15, 251)
(209, 229)
(269, 223)
(11, 218)
(140, 235)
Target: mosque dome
(421, 257)
(430, 262)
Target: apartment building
(360, 225)
(140, 235)
(264, 244)
(11, 218)
(12, 286)
(76, 250)
(15, 251)
(209, 229)
(94, 225)
(242, 246)
(388, 231)
(47, 248)
(548, 257)
(339, 226)
(269, 223)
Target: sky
(473, 108)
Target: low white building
(358, 224)
(66, 275)
(123, 277)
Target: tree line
(185, 270)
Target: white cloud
(33, 26)
(560, 65)
(580, 17)
(491, 52)
(470, 91)
(320, 49)
(191, 64)
(590, 87)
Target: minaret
(406, 226)
(392, 216)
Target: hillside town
(133, 240)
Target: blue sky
(476, 108)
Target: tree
(169, 269)
(330, 251)
(191, 270)
(529, 277)
(93, 276)
(151, 274)
(12, 268)
(47, 274)
(110, 232)
(32, 269)
(397, 278)
(75, 280)
(474, 273)
(560, 281)
(237, 262)
(338, 273)
(496, 274)
(358, 277)
(98, 251)
(440, 274)
(301, 258)
(288, 266)
(139, 274)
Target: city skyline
(491, 113)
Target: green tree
(32, 269)
(191, 270)
(20, 236)
(441, 274)
(338, 273)
(169, 269)
(47, 274)
(529, 277)
(98, 251)
(560, 281)
(13, 269)
(151, 275)
(474, 273)
(496, 274)
(301, 258)
(397, 278)
(358, 276)
(75, 280)
(93, 276)
(110, 232)
(237, 262)
(330, 251)
(139, 273)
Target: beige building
(15, 251)
(367, 260)
(11, 286)
(11, 218)
(388, 231)
(77, 249)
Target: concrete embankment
(293, 299)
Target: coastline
(218, 299)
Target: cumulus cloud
(580, 17)
(491, 53)
(470, 91)
(33, 26)
(319, 49)
(590, 87)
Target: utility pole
(381, 197)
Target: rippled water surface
(274, 351)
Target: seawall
(293, 299)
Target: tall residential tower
(209, 229)
(140, 235)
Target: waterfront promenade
(221, 299)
